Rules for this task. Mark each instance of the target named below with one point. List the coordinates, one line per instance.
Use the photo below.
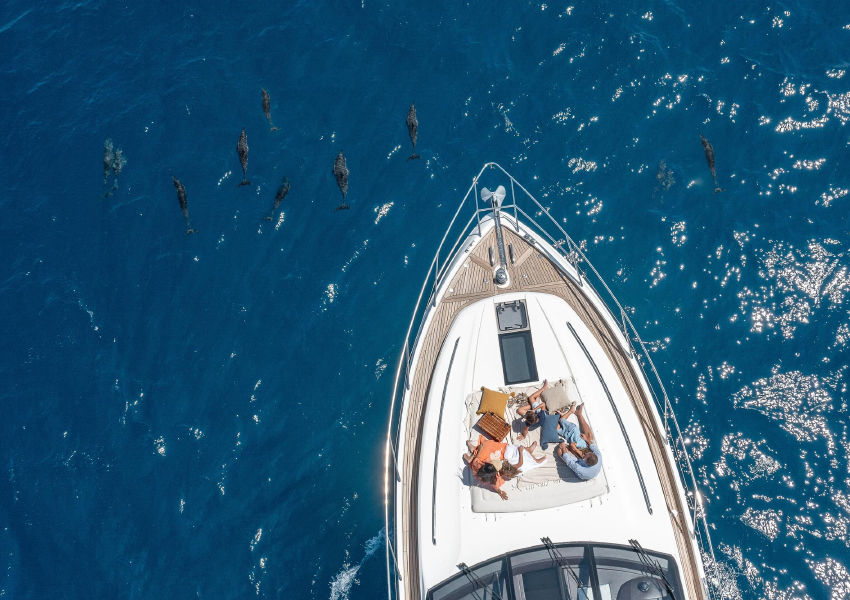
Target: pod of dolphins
(340, 171)
(113, 160)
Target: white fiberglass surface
(449, 532)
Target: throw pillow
(494, 402)
(556, 397)
(548, 430)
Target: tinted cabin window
(538, 576)
(622, 576)
(518, 361)
(487, 582)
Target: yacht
(510, 301)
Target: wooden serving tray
(494, 426)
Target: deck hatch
(518, 362)
(515, 346)
(511, 316)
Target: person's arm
(574, 450)
(569, 458)
(495, 488)
(469, 458)
(523, 434)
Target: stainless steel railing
(574, 255)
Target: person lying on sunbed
(584, 462)
(485, 462)
(520, 459)
(532, 410)
(570, 432)
(507, 460)
(553, 426)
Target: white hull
(630, 500)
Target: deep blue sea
(203, 416)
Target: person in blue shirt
(584, 462)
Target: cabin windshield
(567, 572)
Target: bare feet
(545, 384)
(579, 408)
(470, 446)
(561, 449)
(570, 411)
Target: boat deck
(532, 271)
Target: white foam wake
(343, 581)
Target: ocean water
(203, 416)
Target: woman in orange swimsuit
(485, 460)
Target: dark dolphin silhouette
(113, 159)
(108, 157)
(184, 204)
(709, 158)
(412, 129)
(242, 151)
(282, 191)
(267, 109)
(341, 175)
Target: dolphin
(184, 204)
(282, 191)
(242, 151)
(113, 160)
(709, 158)
(341, 174)
(108, 157)
(118, 162)
(267, 109)
(412, 129)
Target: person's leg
(561, 449)
(571, 411)
(472, 447)
(523, 409)
(523, 434)
(583, 426)
(532, 457)
(571, 434)
(536, 394)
